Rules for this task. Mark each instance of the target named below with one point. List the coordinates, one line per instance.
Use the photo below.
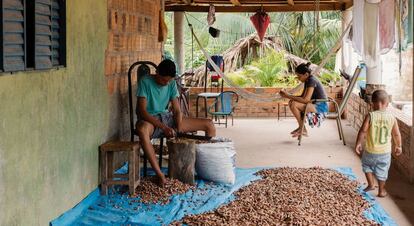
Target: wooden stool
(285, 105)
(107, 171)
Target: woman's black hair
(303, 68)
(166, 68)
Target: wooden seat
(108, 177)
(285, 105)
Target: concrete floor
(266, 142)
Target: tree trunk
(181, 163)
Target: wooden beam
(235, 2)
(267, 8)
(290, 2)
(348, 4)
(255, 2)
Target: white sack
(216, 161)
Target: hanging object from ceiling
(211, 16)
(214, 32)
(261, 21)
(162, 28)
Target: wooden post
(104, 173)
(179, 53)
(181, 161)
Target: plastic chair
(224, 106)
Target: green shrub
(327, 78)
(268, 70)
(240, 79)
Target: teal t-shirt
(157, 96)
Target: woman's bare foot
(382, 194)
(369, 188)
(295, 131)
(304, 133)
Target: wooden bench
(108, 177)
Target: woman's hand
(283, 94)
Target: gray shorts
(378, 164)
(167, 118)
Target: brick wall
(251, 108)
(357, 109)
(132, 36)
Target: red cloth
(215, 77)
(386, 25)
(261, 21)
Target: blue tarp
(118, 209)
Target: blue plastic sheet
(118, 209)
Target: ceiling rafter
(252, 5)
(267, 8)
(235, 2)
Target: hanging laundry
(211, 16)
(315, 119)
(162, 28)
(370, 35)
(261, 21)
(408, 21)
(386, 25)
(373, 28)
(405, 10)
(358, 25)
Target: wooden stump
(181, 162)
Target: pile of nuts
(157, 149)
(291, 196)
(150, 193)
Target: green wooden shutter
(12, 28)
(56, 33)
(43, 34)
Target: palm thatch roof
(237, 56)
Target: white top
(208, 95)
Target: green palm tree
(297, 31)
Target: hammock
(257, 97)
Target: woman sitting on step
(313, 90)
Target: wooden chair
(143, 69)
(108, 177)
(339, 109)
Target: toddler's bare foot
(369, 188)
(382, 194)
